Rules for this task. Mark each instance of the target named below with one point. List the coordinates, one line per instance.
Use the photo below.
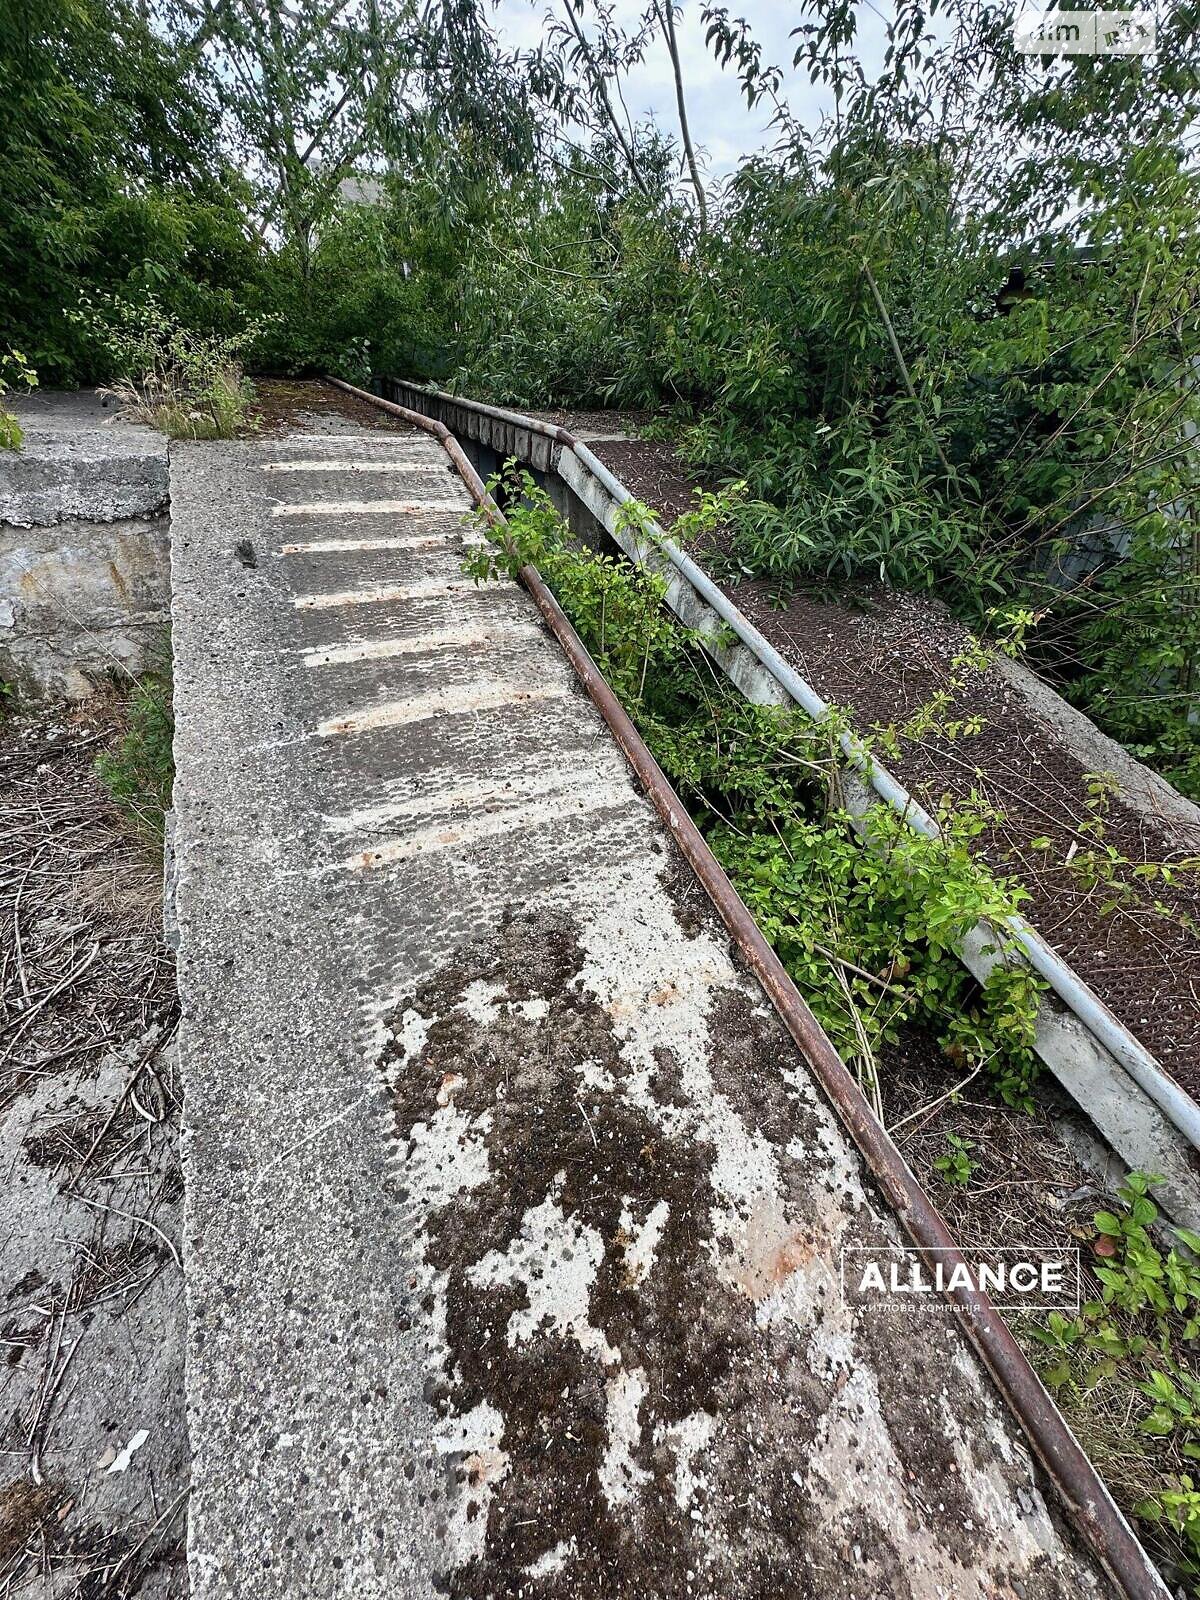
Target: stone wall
(84, 547)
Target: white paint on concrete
(349, 466)
(689, 1438)
(643, 1240)
(516, 819)
(411, 444)
(449, 1154)
(467, 637)
(424, 589)
(318, 547)
(414, 1031)
(365, 508)
(455, 702)
(482, 1001)
(570, 782)
(554, 1259)
(552, 1560)
(474, 1442)
(620, 1475)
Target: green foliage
(838, 343)
(188, 384)
(14, 369)
(1178, 1506)
(1143, 1278)
(1176, 1398)
(110, 178)
(897, 911)
(956, 1167)
(1126, 1353)
(140, 772)
(869, 934)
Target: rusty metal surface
(1084, 1494)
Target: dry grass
(87, 1003)
(72, 868)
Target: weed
(1122, 1357)
(1178, 1505)
(187, 384)
(140, 771)
(956, 1167)
(14, 369)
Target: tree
(108, 159)
(307, 94)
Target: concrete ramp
(513, 1217)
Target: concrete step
(513, 1219)
(84, 547)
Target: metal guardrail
(1080, 1000)
(1098, 1519)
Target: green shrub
(188, 384)
(14, 369)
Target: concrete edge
(1090, 1074)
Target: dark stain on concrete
(687, 1327)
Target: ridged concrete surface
(512, 1219)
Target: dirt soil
(93, 1470)
(882, 656)
(281, 404)
(592, 425)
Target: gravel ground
(93, 1455)
(884, 655)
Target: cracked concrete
(84, 547)
(512, 1217)
(78, 461)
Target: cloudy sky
(720, 122)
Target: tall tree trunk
(667, 13)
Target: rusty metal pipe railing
(1079, 998)
(1091, 1508)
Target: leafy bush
(14, 369)
(1126, 1355)
(111, 179)
(188, 384)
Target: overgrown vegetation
(867, 925)
(139, 771)
(190, 385)
(948, 336)
(948, 341)
(868, 928)
(945, 337)
(14, 372)
(1128, 1357)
